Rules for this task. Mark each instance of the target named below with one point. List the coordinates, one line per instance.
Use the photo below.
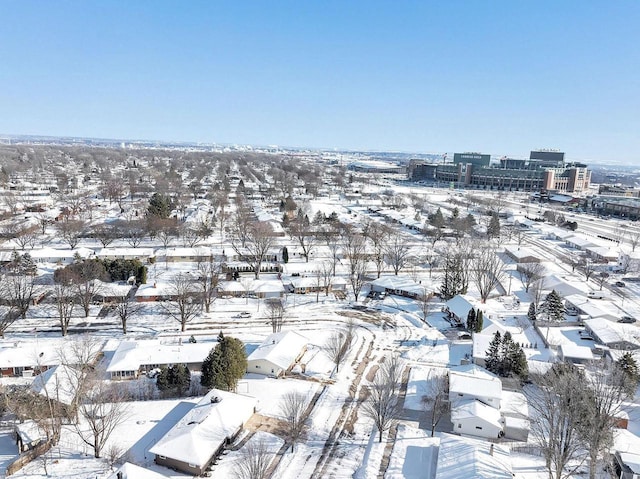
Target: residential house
(463, 457)
(627, 465)
(474, 418)
(458, 307)
(470, 381)
(613, 335)
(399, 286)
(202, 434)
(132, 358)
(277, 353)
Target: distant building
(543, 171)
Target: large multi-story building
(543, 171)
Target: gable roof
(130, 355)
(472, 408)
(280, 348)
(460, 306)
(59, 383)
(472, 380)
(200, 433)
(464, 458)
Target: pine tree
(437, 219)
(506, 348)
(471, 320)
(493, 230)
(492, 360)
(225, 364)
(174, 378)
(553, 306)
(479, 321)
(629, 367)
(285, 255)
(531, 314)
(159, 206)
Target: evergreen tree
(506, 348)
(159, 206)
(471, 320)
(531, 314)
(174, 378)
(505, 357)
(225, 364)
(453, 280)
(493, 230)
(285, 254)
(436, 219)
(492, 360)
(479, 321)
(629, 367)
(553, 307)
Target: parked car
(596, 294)
(627, 319)
(243, 314)
(585, 335)
(619, 284)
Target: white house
(277, 353)
(133, 357)
(470, 381)
(399, 285)
(131, 471)
(464, 457)
(474, 418)
(141, 254)
(458, 308)
(200, 436)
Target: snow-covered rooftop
(196, 437)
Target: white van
(596, 294)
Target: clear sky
(499, 77)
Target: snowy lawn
(414, 455)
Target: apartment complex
(544, 170)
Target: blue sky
(500, 77)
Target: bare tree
(65, 304)
(382, 405)
(436, 399)
(338, 345)
(18, 290)
(12, 202)
(425, 303)
(530, 273)
(301, 231)
(587, 267)
(293, 406)
(396, 253)
(275, 312)
(87, 282)
(602, 277)
(606, 393)
(185, 303)
(557, 401)
(190, 236)
(26, 236)
(102, 411)
(126, 307)
(353, 248)
(209, 272)
(378, 234)
(44, 220)
(106, 233)
(8, 316)
(253, 463)
(257, 243)
(487, 271)
(71, 231)
(633, 237)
